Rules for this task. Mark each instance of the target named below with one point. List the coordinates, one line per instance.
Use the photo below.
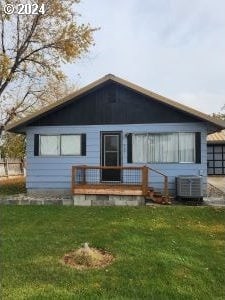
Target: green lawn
(161, 252)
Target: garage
(216, 153)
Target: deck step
(151, 189)
(157, 197)
(157, 194)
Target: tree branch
(35, 51)
(3, 34)
(20, 52)
(18, 32)
(25, 44)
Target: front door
(111, 155)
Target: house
(216, 153)
(117, 139)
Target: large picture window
(60, 145)
(164, 148)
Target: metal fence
(107, 175)
(11, 167)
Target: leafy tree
(221, 114)
(13, 146)
(54, 91)
(32, 50)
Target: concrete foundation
(107, 200)
(76, 200)
(48, 192)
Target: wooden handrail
(107, 167)
(165, 187)
(144, 180)
(156, 171)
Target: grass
(161, 252)
(12, 185)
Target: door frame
(120, 152)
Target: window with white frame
(67, 144)
(164, 148)
(49, 145)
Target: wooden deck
(106, 189)
(87, 180)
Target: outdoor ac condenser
(189, 187)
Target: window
(60, 145)
(164, 148)
(70, 144)
(216, 159)
(186, 147)
(49, 145)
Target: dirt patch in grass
(87, 258)
(206, 228)
(181, 272)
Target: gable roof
(14, 126)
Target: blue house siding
(55, 172)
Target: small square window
(49, 145)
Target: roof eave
(219, 124)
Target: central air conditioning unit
(189, 187)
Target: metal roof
(216, 137)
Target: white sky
(173, 47)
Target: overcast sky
(173, 47)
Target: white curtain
(139, 148)
(164, 147)
(187, 147)
(70, 145)
(49, 145)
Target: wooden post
(6, 167)
(73, 179)
(84, 174)
(144, 180)
(165, 186)
(21, 166)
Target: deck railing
(165, 191)
(95, 176)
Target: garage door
(216, 159)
